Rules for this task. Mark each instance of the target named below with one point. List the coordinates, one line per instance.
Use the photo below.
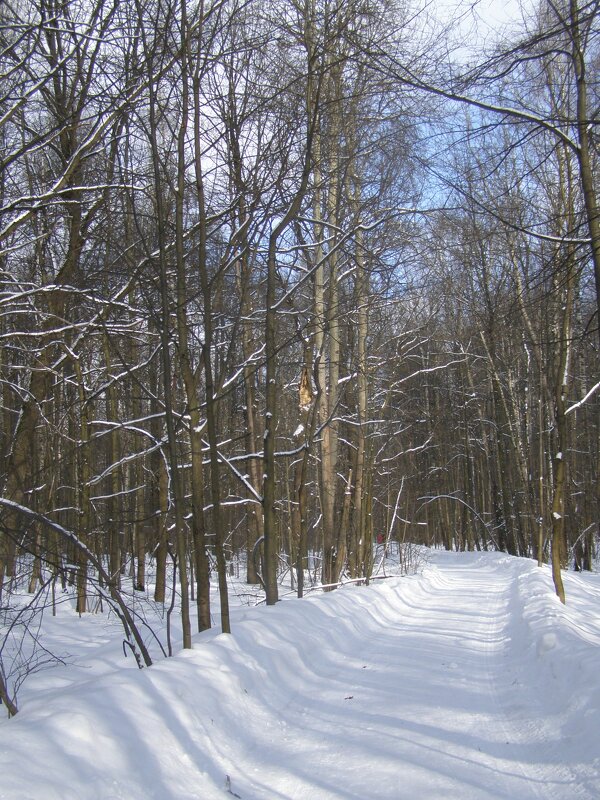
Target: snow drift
(469, 680)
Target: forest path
(469, 681)
(428, 699)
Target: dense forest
(284, 279)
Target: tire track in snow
(405, 691)
(498, 602)
(540, 776)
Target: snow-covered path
(468, 681)
(425, 700)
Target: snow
(469, 680)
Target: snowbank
(467, 681)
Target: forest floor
(466, 681)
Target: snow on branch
(583, 400)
